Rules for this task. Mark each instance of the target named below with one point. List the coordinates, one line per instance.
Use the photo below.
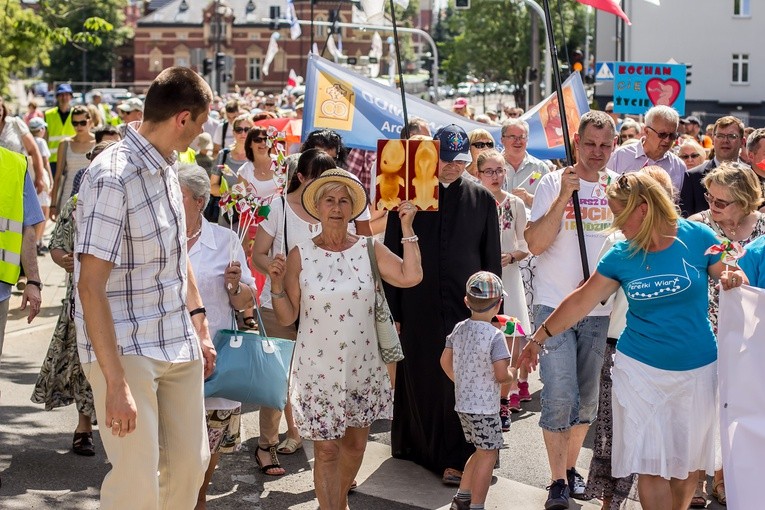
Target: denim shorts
(570, 372)
(484, 431)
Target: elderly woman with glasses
(480, 140)
(692, 153)
(665, 367)
(733, 194)
(340, 383)
(226, 286)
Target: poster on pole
(640, 85)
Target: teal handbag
(251, 367)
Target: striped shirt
(130, 213)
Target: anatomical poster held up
(407, 170)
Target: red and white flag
(292, 80)
(611, 6)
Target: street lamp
(222, 11)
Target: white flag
(315, 49)
(295, 30)
(741, 351)
(377, 52)
(332, 48)
(391, 62)
(375, 10)
(273, 49)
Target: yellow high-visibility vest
(187, 156)
(14, 168)
(57, 131)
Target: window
(740, 70)
(741, 8)
(218, 27)
(321, 31)
(253, 68)
(274, 12)
(155, 60)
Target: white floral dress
(338, 378)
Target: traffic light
(577, 61)
(207, 66)
(220, 62)
(533, 74)
(462, 4)
(688, 74)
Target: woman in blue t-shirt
(665, 365)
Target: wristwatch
(37, 284)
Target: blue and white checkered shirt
(130, 212)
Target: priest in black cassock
(462, 237)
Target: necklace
(194, 235)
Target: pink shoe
(523, 391)
(515, 403)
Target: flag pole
(404, 129)
(566, 140)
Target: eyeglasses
(720, 204)
(514, 138)
(492, 173)
(610, 111)
(240, 130)
(514, 115)
(664, 136)
(689, 156)
(259, 139)
(76, 123)
(731, 137)
(483, 145)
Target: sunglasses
(483, 145)
(689, 156)
(76, 123)
(609, 111)
(664, 136)
(259, 139)
(624, 183)
(240, 130)
(720, 204)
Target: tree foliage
(492, 39)
(95, 27)
(31, 38)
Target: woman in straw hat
(340, 383)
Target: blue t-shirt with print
(753, 263)
(668, 317)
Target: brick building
(185, 32)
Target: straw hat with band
(358, 193)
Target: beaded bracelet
(412, 239)
(538, 344)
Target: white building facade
(721, 39)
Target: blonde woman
(480, 140)
(667, 349)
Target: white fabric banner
(741, 359)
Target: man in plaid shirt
(142, 350)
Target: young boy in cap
(477, 360)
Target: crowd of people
(483, 291)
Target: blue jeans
(570, 372)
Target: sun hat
(64, 88)
(460, 103)
(131, 105)
(358, 193)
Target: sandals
(452, 477)
(289, 446)
(250, 322)
(353, 487)
(718, 492)
(82, 444)
(274, 462)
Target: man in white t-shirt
(570, 366)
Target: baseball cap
(131, 105)
(455, 145)
(484, 285)
(64, 88)
(36, 123)
(692, 119)
(460, 102)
